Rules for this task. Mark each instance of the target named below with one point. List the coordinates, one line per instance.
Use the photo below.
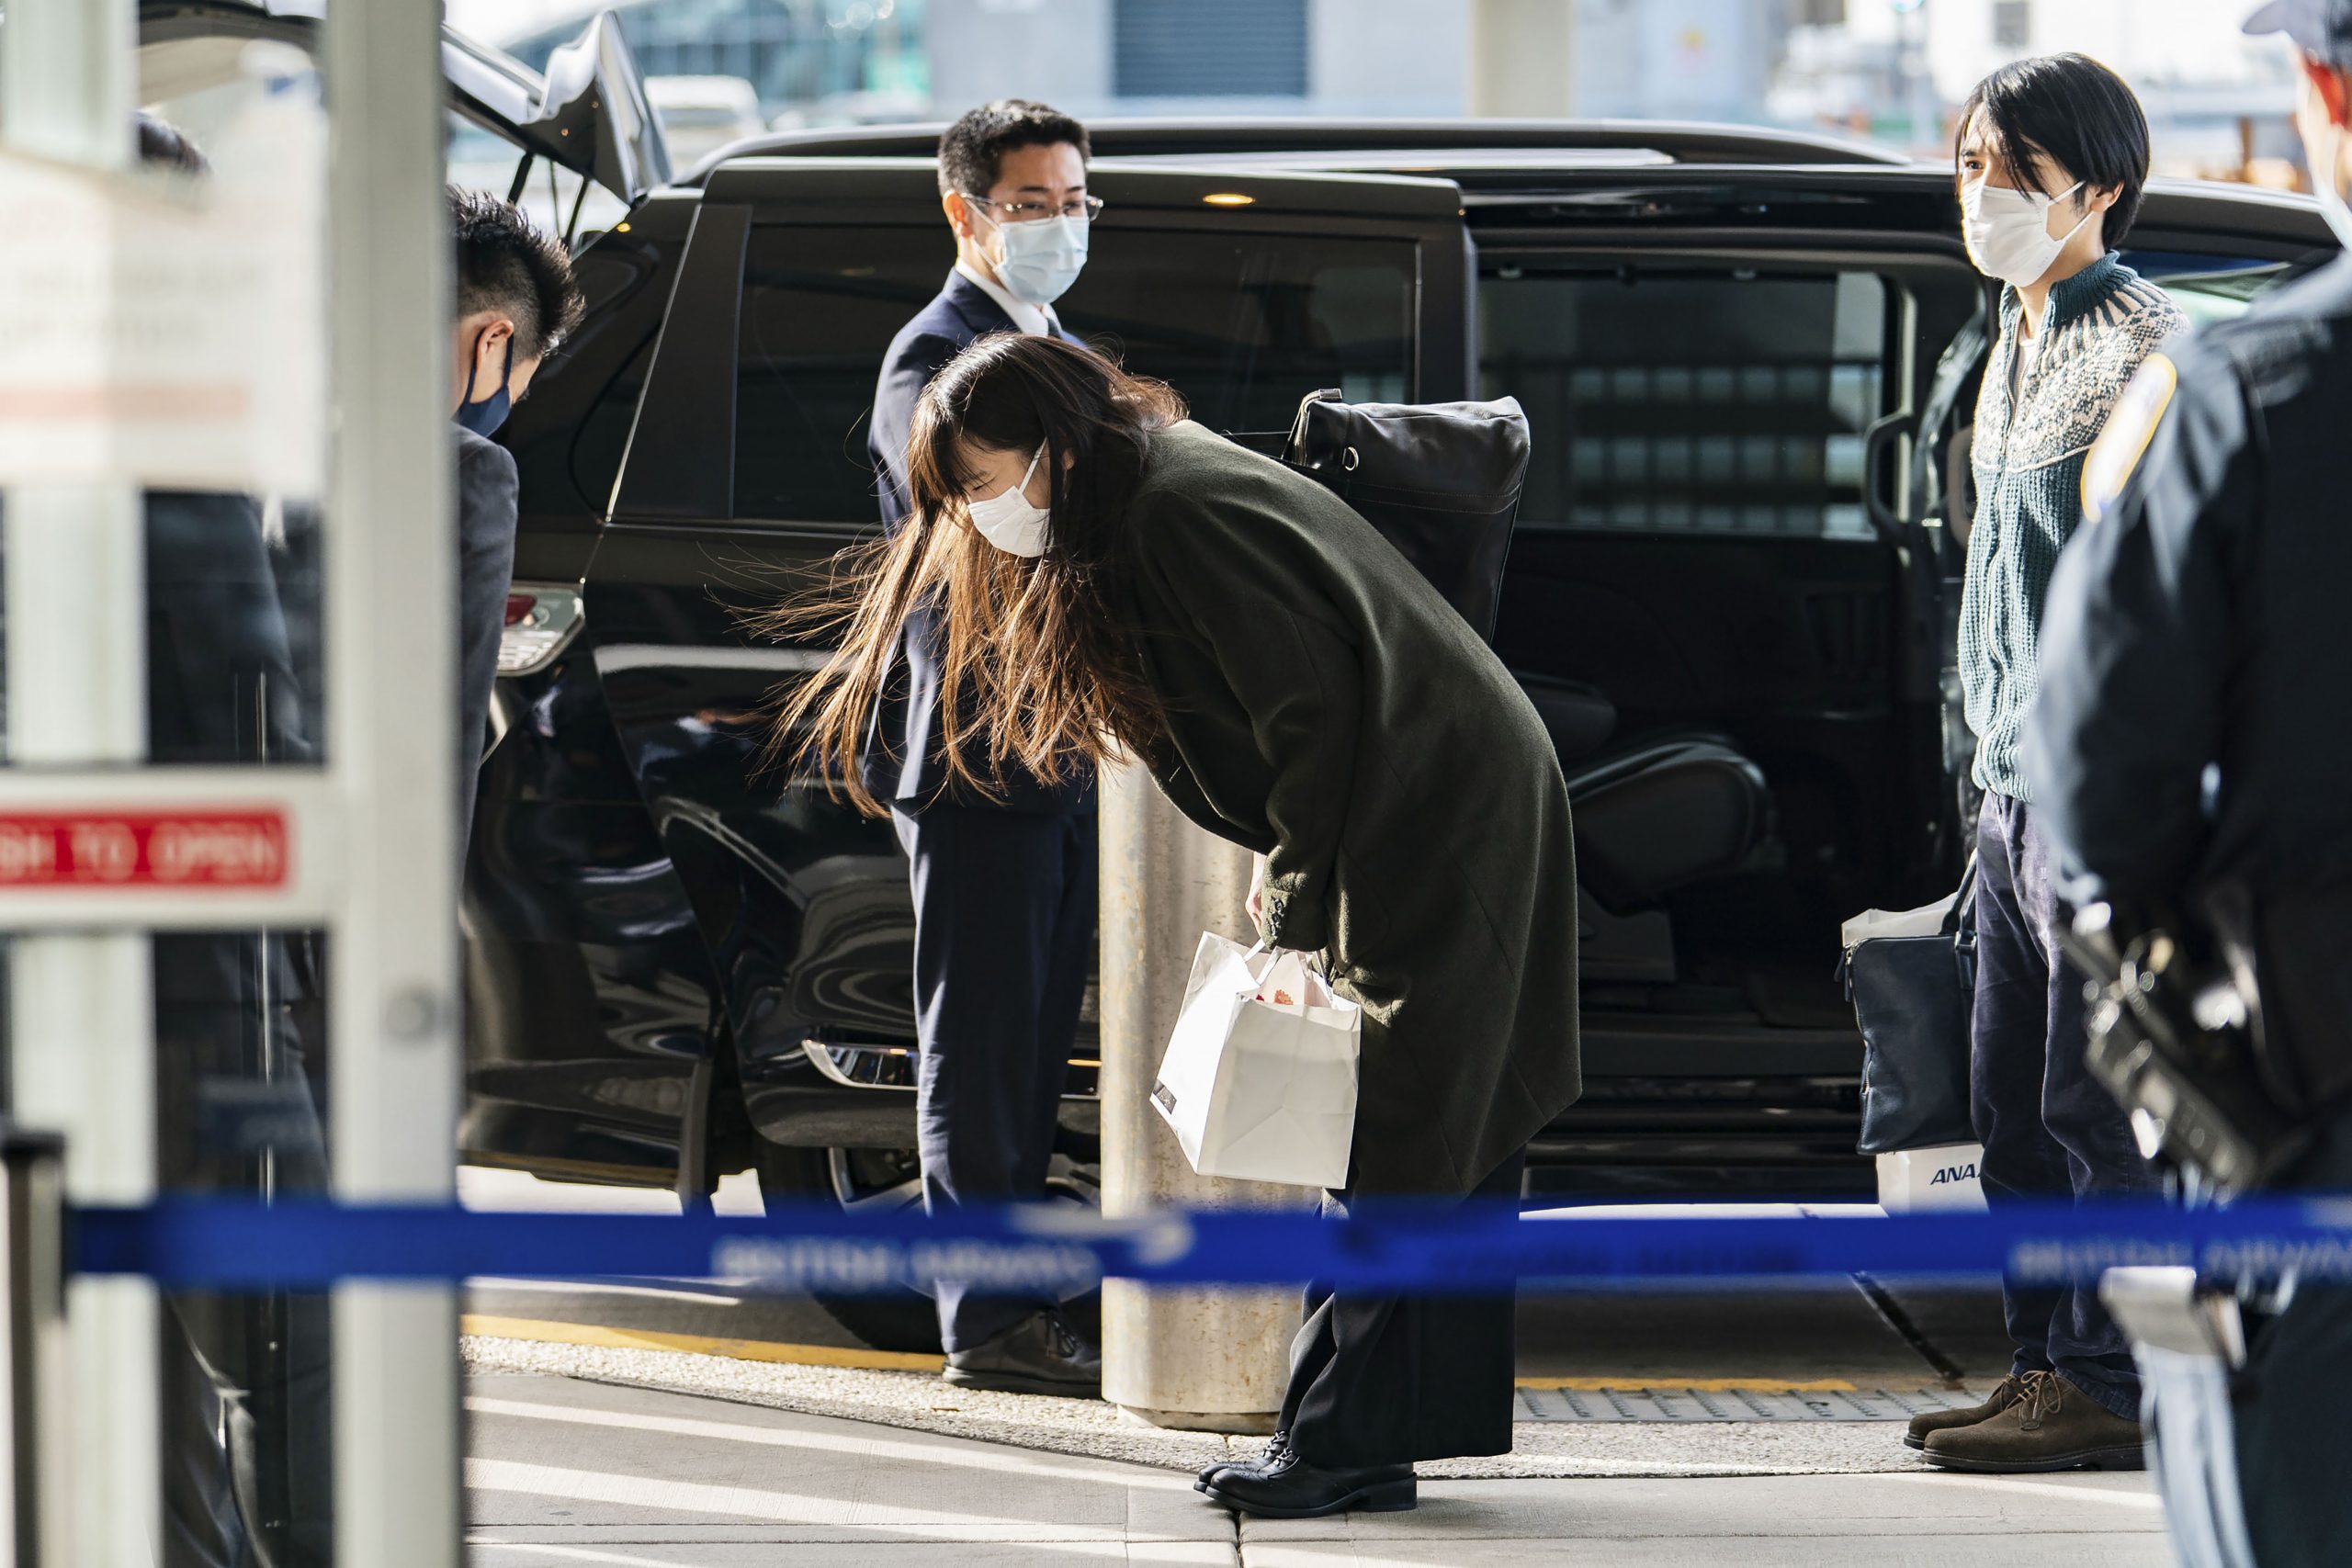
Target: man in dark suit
(1004, 888)
(515, 301)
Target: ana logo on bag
(1166, 1095)
(1951, 1173)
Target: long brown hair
(1035, 667)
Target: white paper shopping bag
(1259, 1077)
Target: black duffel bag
(1913, 997)
(1441, 481)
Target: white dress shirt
(1038, 318)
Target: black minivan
(1749, 360)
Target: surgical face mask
(1009, 521)
(1042, 258)
(483, 418)
(2008, 230)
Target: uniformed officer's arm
(2135, 633)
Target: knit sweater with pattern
(2028, 456)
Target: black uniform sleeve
(2136, 639)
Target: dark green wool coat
(1329, 710)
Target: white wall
(1677, 59)
(1058, 51)
(1389, 56)
(2145, 42)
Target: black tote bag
(1913, 997)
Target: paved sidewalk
(565, 1472)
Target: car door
(747, 473)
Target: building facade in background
(1890, 69)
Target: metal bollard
(32, 1231)
(1207, 1360)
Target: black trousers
(2049, 1129)
(1004, 933)
(1393, 1380)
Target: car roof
(1398, 145)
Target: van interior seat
(1653, 812)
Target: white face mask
(1041, 258)
(1009, 521)
(2008, 230)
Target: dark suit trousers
(1004, 930)
(1394, 1380)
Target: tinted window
(1244, 328)
(603, 435)
(1725, 403)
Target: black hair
(2077, 113)
(506, 265)
(973, 147)
(163, 145)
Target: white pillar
(82, 1016)
(1523, 58)
(392, 683)
(1212, 1359)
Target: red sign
(143, 849)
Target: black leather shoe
(1293, 1489)
(1038, 1355)
(1273, 1454)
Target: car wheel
(870, 1180)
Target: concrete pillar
(1208, 1359)
(1523, 58)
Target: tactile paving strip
(1670, 1403)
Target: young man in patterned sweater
(2052, 157)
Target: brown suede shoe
(2053, 1425)
(2007, 1392)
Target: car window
(604, 433)
(1686, 400)
(2208, 289)
(1247, 327)
(1244, 327)
(481, 159)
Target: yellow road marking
(547, 1333)
(1703, 1386)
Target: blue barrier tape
(231, 1244)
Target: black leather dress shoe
(1273, 1454)
(1293, 1489)
(1038, 1355)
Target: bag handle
(1319, 960)
(1961, 917)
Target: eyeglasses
(1086, 207)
